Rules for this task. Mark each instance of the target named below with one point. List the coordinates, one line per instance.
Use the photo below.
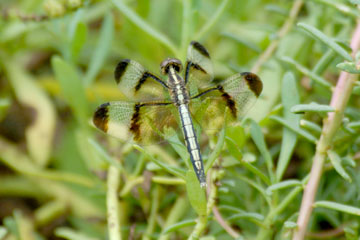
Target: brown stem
(224, 224)
(282, 32)
(339, 101)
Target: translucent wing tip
(254, 83)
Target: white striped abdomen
(192, 143)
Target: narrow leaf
(336, 162)
(281, 185)
(310, 125)
(179, 225)
(172, 170)
(312, 107)
(101, 50)
(289, 98)
(317, 34)
(78, 41)
(143, 25)
(306, 71)
(195, 193)
(338, 207)
(349, 67)
(72, 88)
(298, 130)
(259, 140)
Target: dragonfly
(155, 103)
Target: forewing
(199, 69)
(229, 101)
(135, 82)
(143, 122)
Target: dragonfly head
(170, 62)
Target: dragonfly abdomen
(192, 143)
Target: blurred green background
(57, 59)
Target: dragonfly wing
(228, 101)
(199, 69)
(144, 121)
(136, 82)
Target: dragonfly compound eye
(170, 62)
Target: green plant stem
(177, 211)
(155, 202)
(210, 23)
(138, 21)
(265, 233)
(332, 123)
(185, 29)
(112, 203)
(12, 157)
(282, 32)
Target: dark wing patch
(132, 77)
(101, 117)
(238, 93)
(200, 48)
(199, 69)
(144, 121)
(121, 69)
(254, 82)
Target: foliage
(60, 177)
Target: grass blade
(306, 71)
(259, 140)
(101, 50)
(138, 21)
(317, 34)
(336, 162)
(312, 107)
(338, 207)
(281, 185)
(298, 130)
(289, 97)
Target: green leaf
(103, 154)
(336, 162)
(310, 125)
(143, 25)
(281, 185)
(259, 140)
(172, 170)
(196, 194)
(338, 207)
(290, 224)
(298, 130)
(70, 234)
(349, 67)
(317, 34)
(312, 107)
(72, 88)
(246, 43)
(179, 225)
(101, 50)
(216, 152)
(78, 41)
(289, 98)
(306, 71)
(247, 215)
